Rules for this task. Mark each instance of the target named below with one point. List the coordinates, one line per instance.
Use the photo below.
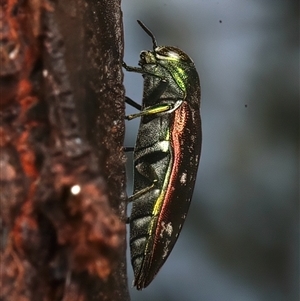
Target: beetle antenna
(148, 31)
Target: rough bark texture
(62, 199)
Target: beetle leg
(157, 109)
(132, 69)
(133, 103)
(154, 95)
(138, 70)
(128, 149)
(150, 111)
(147, 171)
(140, 192)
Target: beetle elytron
(166, 155)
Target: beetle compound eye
(166, 156)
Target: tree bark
(58, 243)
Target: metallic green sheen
(166, 156)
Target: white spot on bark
(45, 72)
(13, 54)
(75, 189)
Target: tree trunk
(62, 177)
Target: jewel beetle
(166, 155)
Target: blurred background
(240, 241)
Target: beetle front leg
(132, 69)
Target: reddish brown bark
(62, 235)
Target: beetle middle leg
(154, 95)
(133, 103)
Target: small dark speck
(220, 21)
(246, 106)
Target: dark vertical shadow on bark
(93, 34)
